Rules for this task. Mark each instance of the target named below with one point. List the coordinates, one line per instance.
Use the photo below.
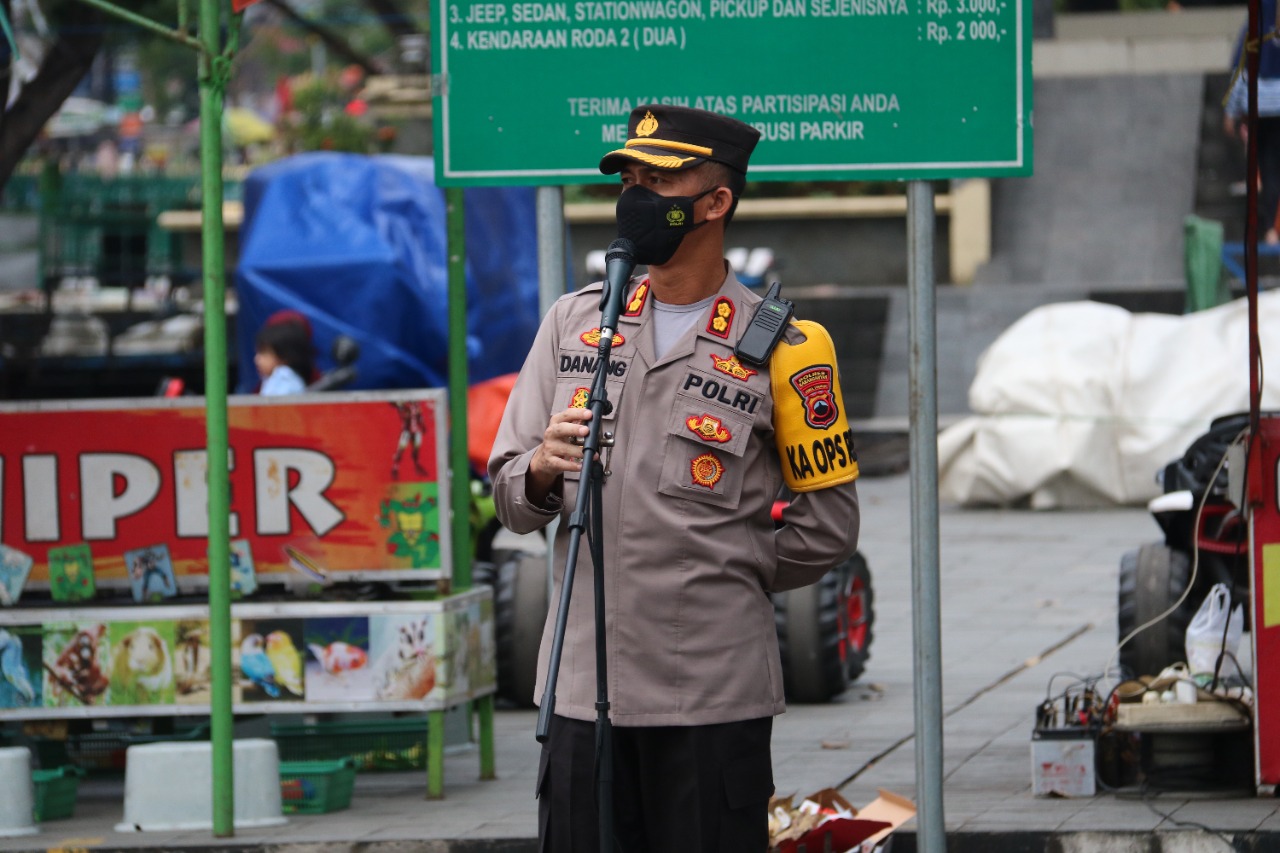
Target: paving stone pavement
(1025, 595)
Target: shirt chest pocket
(575, 393)
(705, 451)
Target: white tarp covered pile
(1080, 404)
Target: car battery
(1062, 759)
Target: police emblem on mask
(707, 470)
(708, 428)
(814, 385)
(675, 217)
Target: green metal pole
(213, 76)
(459, 476)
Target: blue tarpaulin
(357, 244)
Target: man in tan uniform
(703, 443)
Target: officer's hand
(558, 453)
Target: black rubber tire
(818, 663)
(1152, 578)
(519, 582)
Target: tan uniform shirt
(690, 549)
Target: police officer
(703, 442)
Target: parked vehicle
(1196, 514)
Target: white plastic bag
(1205, 634)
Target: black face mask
(656, 223)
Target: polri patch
(707, 469)
(815, 385)
(581, 396)
(708, 428)
(732, 367)
(721, 317)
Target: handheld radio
(766, 328)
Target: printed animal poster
(471, 661)
(141, 663)
(20, 683)
(337, 667)
(71, 573)
(15, 566)
(244, 580)
(271, 659)
(191, 660)
(405, 652)
(151, 573)
(76, 660)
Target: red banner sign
(335, 486)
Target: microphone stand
(590, 488)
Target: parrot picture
(13, 671)
(286, 660)
(257, 667)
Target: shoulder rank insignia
(721, 317)
(592, 338)
(732, 367)
(636, 305)
(815, 444)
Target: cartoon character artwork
(244, 579)
(15, 566)
(71, 573)
(270, 662)
(413, 521)
(337, 664)
(412, 430)
(405, 662)
(19, 655)
(75, 664)
(151, 573)
(141, 663)
(192, 658)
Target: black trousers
(693, 789)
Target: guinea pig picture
(141, 664)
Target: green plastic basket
(316, 787)
(55, 792)
(395, 744)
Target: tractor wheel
(824, 632)
(519, 610)
(1152, 578)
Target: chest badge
(708, 428)
(581, 396)
(707, 469)
(592, 338)
(721, 317)
(732, 367)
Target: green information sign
(536, 92)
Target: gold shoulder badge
(592, 338)
(648, 125)
(581, 396)
(707, 469)
(636, 305)
(732, 367)
(708, 428)
(721, 317)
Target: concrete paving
(1025, 596)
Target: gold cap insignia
(647, 126)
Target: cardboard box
(826, 821)
(1062, 763)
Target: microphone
(618, 265)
